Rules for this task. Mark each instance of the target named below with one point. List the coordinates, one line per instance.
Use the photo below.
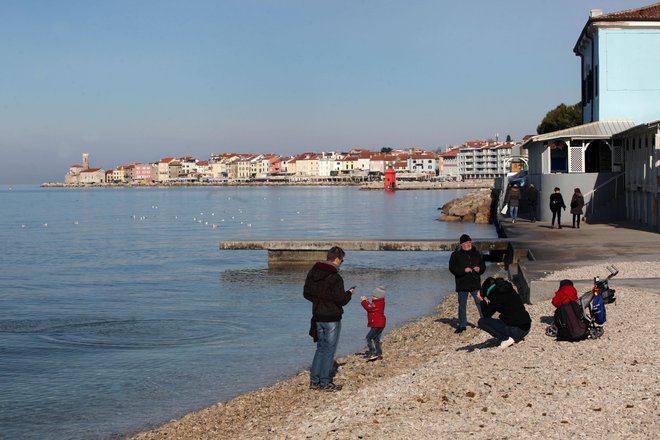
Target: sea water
(119, 312)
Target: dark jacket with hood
(504, 300)
(324, 287)
(459, 260)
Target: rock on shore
(473, 207)
(434, 384)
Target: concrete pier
(294, 252)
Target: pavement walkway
(555, 249)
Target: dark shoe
(460, 330)
(330, 387)
(314, 385)
(533, 221)
(559, 227)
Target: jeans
(498, 329)
(513, 211)
(324, 358)
(462, 307)
(373, 340)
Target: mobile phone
(352, 288)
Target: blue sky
(134, 81)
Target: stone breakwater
(473, 207)
(435, 384)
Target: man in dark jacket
(498, 295)
(532, 201)
(556, 205)
(466, 264)
(324, 287)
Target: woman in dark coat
(577, 203)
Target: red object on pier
(390, 178)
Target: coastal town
(472, 160)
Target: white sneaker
(508, 343)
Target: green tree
(508, 138)
(386, 150)
(562, 116)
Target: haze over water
(119, 312)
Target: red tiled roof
(645, 13)
(90, 170)
(650, 13)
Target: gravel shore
(433, 384)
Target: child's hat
(379, 292)
(563, 283)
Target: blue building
(620, 54)
(620, 77)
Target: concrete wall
(601, 200)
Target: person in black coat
(466, 264)
(532, 201)
(556, 205)
(514, 323)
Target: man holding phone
(324, 287)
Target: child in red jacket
(565, 294)
(376, 322)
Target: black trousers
(557, 215)
(576, 219)
(532, 211)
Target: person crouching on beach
(565, 294)
(514, 323)
(324, 287)
(376, 322)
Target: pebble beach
(435, 384)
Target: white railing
(592, 193)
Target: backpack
(570, 326)
(598, 309)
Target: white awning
(604, 129)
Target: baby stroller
(590, 310)
(585, 317)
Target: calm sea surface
(118, 312)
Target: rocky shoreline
(435, 384)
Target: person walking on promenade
(577, 203)
(532, 201)
(514, 323)
(556, 205)
(466, 264)
(324, 287)
(513, 200)
(375, 321)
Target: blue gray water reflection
(119, 312)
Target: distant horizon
(128, 80)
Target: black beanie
(464, 238)
(563, 283)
